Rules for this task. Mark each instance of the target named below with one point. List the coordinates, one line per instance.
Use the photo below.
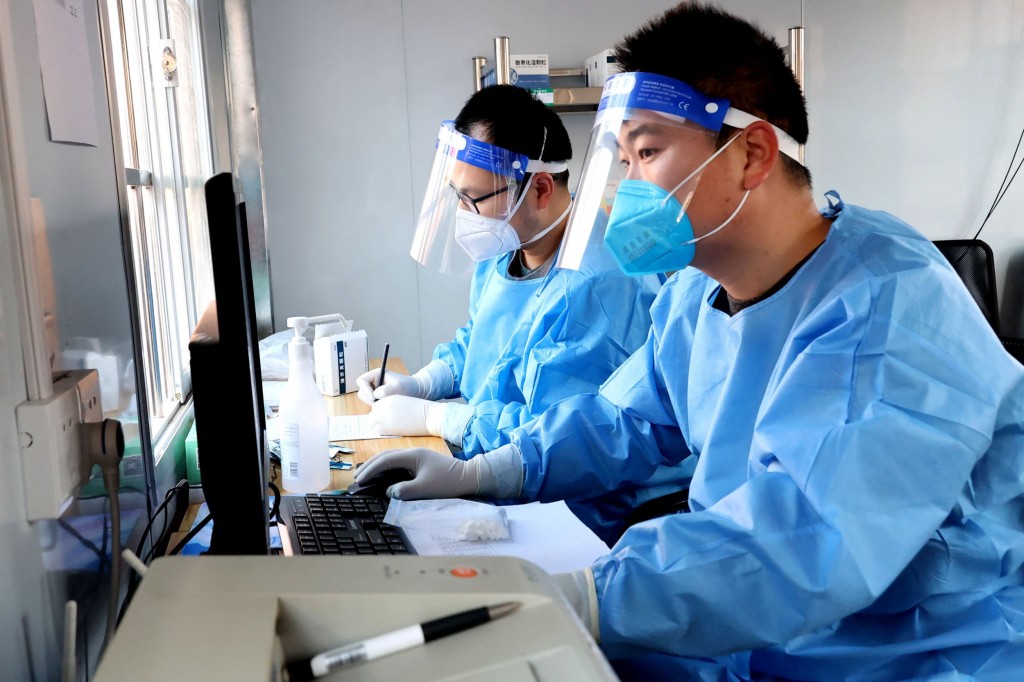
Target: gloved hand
(434, 381)
(497, 474)
(581, 593)
(394, 384)
(401, 415)
(434, 475)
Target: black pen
(383, 365)
(393, 642)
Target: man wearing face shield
(498, 201)
(857, 505)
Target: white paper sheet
(549, 535)
(339, 427)
(353, 427)
(67, 70)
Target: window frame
(167, 154)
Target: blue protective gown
(858, 497)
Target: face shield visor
(652, 139)
(474, 191)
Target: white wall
(914, 107)
(351, 94)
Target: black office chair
(972, 259)
(1014, 347)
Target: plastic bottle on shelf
(305, 458)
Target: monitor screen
(226, 385)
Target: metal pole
(478, 72)
(796, 53)
(502, 76)
(796, 62)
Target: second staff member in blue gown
(536, 333)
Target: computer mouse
(379, 484)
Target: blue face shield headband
(648, 230)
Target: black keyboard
(342, 524)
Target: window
(157, 72)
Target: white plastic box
(601, 67)
(338, 360)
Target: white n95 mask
(483, 237)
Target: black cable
(191, 534)
(179, 515)
(275, 511)
(1015, 150)
(134, 578)
(168, 496)
(1003, 193)
(1003, 186)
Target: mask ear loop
(727, 221)
(548, 229)
(697, 170)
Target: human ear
(762, 147)
(543, 188)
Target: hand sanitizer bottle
(305, 459)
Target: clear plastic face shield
(652, 139)
(473, 194)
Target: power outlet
(53, 462)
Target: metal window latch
(168, 63)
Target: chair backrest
(1014, 347)
(972, 260)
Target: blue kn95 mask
(648, 229)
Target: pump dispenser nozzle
(302, 323)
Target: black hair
(511, 117)
(724, 56)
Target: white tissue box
(338, 360)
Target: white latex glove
(394, 384)
(497, 474)
(401, 415)
(581, 593)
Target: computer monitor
(227, 385)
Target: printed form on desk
(339, 427)
(547, 534)
(353, 427)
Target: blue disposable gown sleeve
(590, 444)
(865, 446)
(586, 332)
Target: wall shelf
(573, 97)
(576, 100)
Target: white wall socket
(52, 455)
